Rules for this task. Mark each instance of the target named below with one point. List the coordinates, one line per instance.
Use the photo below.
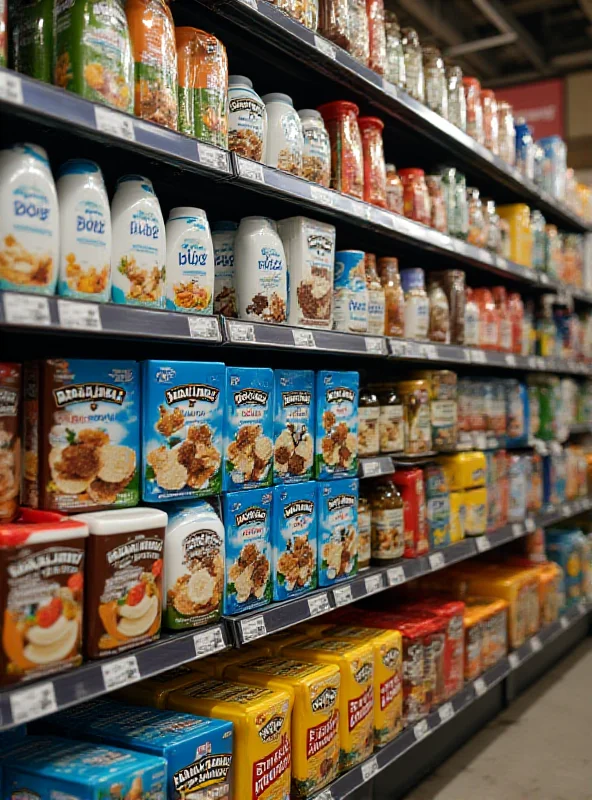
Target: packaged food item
(555, 151)
(537, 227)
(414, 75)
(81, 434)
(395, 55)
(359, 39)
(472, 319)
(284, 143)
(356, 693)
(438, 506)
(490, 120)
(377, 36)
(517, 413)
(309, 247)
(415, 702)
(247, 518)
(336, 445)
(390, 423)
(524, 148)
(416, 197)
(293, 426)
(182, 418)
(202, 90)
(315, 690)
(475, 503)
(223, 236)
(364, 532)
(506, 134)
(247, 119)
(139, 244)
(436, 90)
(564, 548)
(347, 163)
(261, 272)
(517, 216)
(189, 262)
(350, 295)
(461, 206)
(489, 321)
(294, 540)
(11, 417)
(394, 190)
(457, 104)
(31, 35)
(477, 231)
(410, 484)
(261, 719)
(334, 21)
(376, 297)
(439, 320)
(452, 281)
(464, 470)
(394, 297)
(443, 407)
(154, 691)
(193, 567)
(388, 527)
(416, 416)
(438, 218)
(373, 152)
(29, 221)
(472, 89)
(368, 423)
(493, 236)
(316, 153)
(417, 304)
(337, 514)
(152, 32)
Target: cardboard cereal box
(294, 540)
(293, 426)
(336, 441)
(337, 536)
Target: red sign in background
(541, 103)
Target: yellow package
(550, 593)
(464, 470)
(154, 691)
(475, 503)
(492, 615)
(388, 676)
(356, 696)
(315, 714)
(261, 719)
(277, 641)
(517, 215)
(457, 516)
(215, 665)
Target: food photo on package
(336, 424)
(294, 540)
(293, 456)
(337, 537)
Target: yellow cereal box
(315, 715)
(261, 718)
(388, 677)
(154, 691)
(356, 703)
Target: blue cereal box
(83, 771)
(182, 429)
(294, 540)
(336, 424)
(247, 520)
(293, 426)
(337, 536)
(248, 428)
(198, 750)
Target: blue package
(568, 549)
(248, 428)
(518, 488)
(247, 521)
(198, 750)
(336, 440)
(294, 540)
(293, 427)
(517, 416)
(83, 771)
(337, 537)
(438, 515)
(182, 429)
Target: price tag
(31, 703)
(213, 157)
(321, 195)
(564, 622)
(26, 309)
(514, 660)
(437, 561)
(582, 607)
(114, 123)
(374, 345)
(398, 349)
(510, 360)
(11, 88)
(396, 576)
(325, 47)
(203, 328)
(389, 88)
(250, 3)
(319, 604)
(517, 530)
(241, 332)
(428, 351)
(446, 712)
(342, 595)
(535, 644)
(303, 338)
(483, 544)
(532, 362)
(81, 316)
(251, 170)
(544, 279)
(326, 794)
(253, 628)
(421, 729)
(566, 510)
(541, 363)
(370, 468)
(208, 642)
(369, 768)
(478, 357)
(480, 687)
(374, 583)
(530, 525)
(121, 672)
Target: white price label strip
(421, 729)
(437, 561)
(369, 768)
(478, 357)
(241, 332)
(535, 644)
(396, 576)
(373, 345)
(321, 195)
(373, 583)
(208, 642)
(212, 157)
(483, 544)
(11, 88)
(480, 687)
(517, 530)
(303, 338)
(564, 622)
(446, 712)
(203, 328)
(510, 360)
(26, 309)
(342, 595)
(325, 47)
(514, 660)
(370, 468)
(253, 628)
(114, 123)
(121, 672)
(319, 604)
(37, 701)
(250, 170)
(81, 316)
(530, 525)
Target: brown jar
(391, 429)
(453, 283)
(394, 190)
(388, 531)
(368, 419)
(364, 532)
(394, 297)
(439, 327)
(415, 396)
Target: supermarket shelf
(388, 755)
(375, 466)
(99, 677)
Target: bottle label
(388, 534)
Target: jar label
(418, 433)
(316, 155)
(224, 289)
(86, 268)
(392, 434)
(417, 317)
(376, 311)
(368, 438)
(388, 533)
(444, 423)
(246, 123)
(350, 310)
(364, 538)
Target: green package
(32, 38)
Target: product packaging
(294, 431)
(337, 507)
(336, 445)
(294, 540)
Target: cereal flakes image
(250, 454)
(249, 574)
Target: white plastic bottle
(190, 262)
(29, 221)
(285, 143)
(260, 271)
(223, 236)
(139, 244)
(247, 119)
(85, 232)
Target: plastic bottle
(417, 305)
(247, 119)
(285, 143)
(489, 319)
(190, 262)
(500, 298)
(394, 297)
(472, 319)
(261, 272)
(376, 297)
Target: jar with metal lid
(436, 91)
(476, 233)
(416, 198)
(457, 104)
(334, 21)
(394, 297)
(415, 396)
(448, 183)
(316, 154)
(368, 417)
(376, 298)
(391, 432)
(364, 531)
(394, 190)
(490, 120)
(453, 283)
(374, 168)
(414, 77)
(359, 40)
(439, 325)
(537, 226)
(472, 89)
(492, 227)
(443, 407)
(417, 305)
(461, 206)
(377, 36)
(506, 133)
(439, 220)
(388, 533)
(347, 164)
(395, 55)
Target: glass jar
(476, 233)
(472, 89)
(457, 104)
(368, 419)
(374, 168)
(316, 154)
(394, 190)
(414, 78)
(377, 35)
(453, 283)
(490, 121)
(388, 534)
(284, 142)
(391, 432)
(347, 164)
(376, 300)
(438, 220)
(488, 319)
(506, 133)
(537, 226)
(461, 206)
(416, 198)
(517, 317)
(415, 396)
(334, 22)
(417, 305)
(395, 55)
(439, 325)
(394, 298)
(553, 252)
(436, 91)
(492, 227)
(364, 532)
(472, 320)
(500, 298)
(359, 40)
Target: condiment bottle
(500, 298)
(472, 320)
(388, 534)
(374, 168)
(517, 317)
(376, 297)
(368, 423)
(391, 429)
(394, 297)
(316, 156)
(489, 319)
(190, 262)
(417, 305)
(284, 144)
(394, 190)
(247, 119)
(439, 326)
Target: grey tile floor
(540, 748)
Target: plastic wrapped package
(394, 190)
(436, 90)
(374, 167)
(359, 39)
(472, 89)
(517, 215)
(439, 220)
(457, 104)
(506, 134)
(334, 21)
(414, 77)
(377, 35)
(416, 197)
(477, 232)
(347, 163)
(395, 54)
(490, 121)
